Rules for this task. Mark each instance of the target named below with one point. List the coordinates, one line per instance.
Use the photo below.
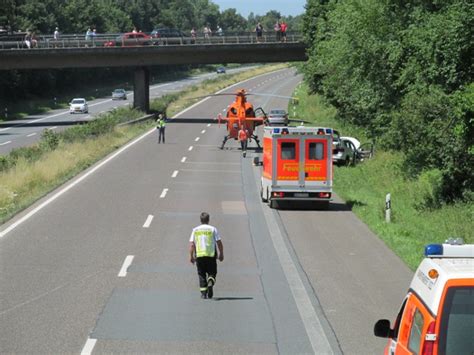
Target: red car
(130, 39)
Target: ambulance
(437, 314)
(297, 165)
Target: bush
(49, 140)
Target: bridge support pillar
(141, 89)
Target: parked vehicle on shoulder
(78, 105)
(344, 151)
(277, 117)
(119, 94)
(130, 39)
(437, 314)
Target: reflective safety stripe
(204, 241)
(203, 289)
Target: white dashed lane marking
(190, 148)
(163, 193)
(89, 346)
(208, 125)
(5, 143)
(203, 131)
(175, 173)
(148, 221)
(183, 159)
(31, 135)
(196, 139)
(126, 264)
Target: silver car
(119, 94)
(277, 117)
(344, 152)
(78, 105)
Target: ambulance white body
(297, 164)
(437, 314)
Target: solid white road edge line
(89, 346)
(98, 166)
(163, 193)
(148, 221)
(314, 329)
(71, 185)
(4, 143)
(175, 173)
(126, 264)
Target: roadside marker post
(388, 207)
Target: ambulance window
(316, 151)
(414, 341)
(288, 151)
(457, 322)
(396, 326)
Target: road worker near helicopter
(203, 245)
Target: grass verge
(364, 188)
(29, 173)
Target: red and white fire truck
(297, 164)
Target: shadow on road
(43, 124)
(317, 206)
(232, 298)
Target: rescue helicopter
(241, 113)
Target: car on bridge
(130, 39)
(78, 105)
(437, 314)
(167, 35)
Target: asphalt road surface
(19, 133)
(101, 264)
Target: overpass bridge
(76, 53)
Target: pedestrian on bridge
(160, 126)
(203, 245)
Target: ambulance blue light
(433, 249)
(328, 130)
(276, 130)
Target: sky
(261, 7)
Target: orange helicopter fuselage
(241, 113)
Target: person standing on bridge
(161, 125)
(203, 245)
(277, 29)
(259, 31)
(283, 27)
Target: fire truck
(297, 165)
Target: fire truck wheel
(264, 199)
(272, 204)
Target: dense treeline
(109, 16)
(402, 69)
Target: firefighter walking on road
(243, 138)
(160, 126)
(203, 245)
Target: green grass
(364, 188)
(28, 173)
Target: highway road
(19, 133)
(101, 264)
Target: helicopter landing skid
(255, 138)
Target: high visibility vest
(204, 242)
(161, 123)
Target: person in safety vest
(243, 138)
(202, 251)
(160, 126)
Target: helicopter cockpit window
(249, 112)
(288, 151)
(233, 110)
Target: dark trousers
(243, 145)
(206, 267)
(161, 134)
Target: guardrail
(115, 40)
